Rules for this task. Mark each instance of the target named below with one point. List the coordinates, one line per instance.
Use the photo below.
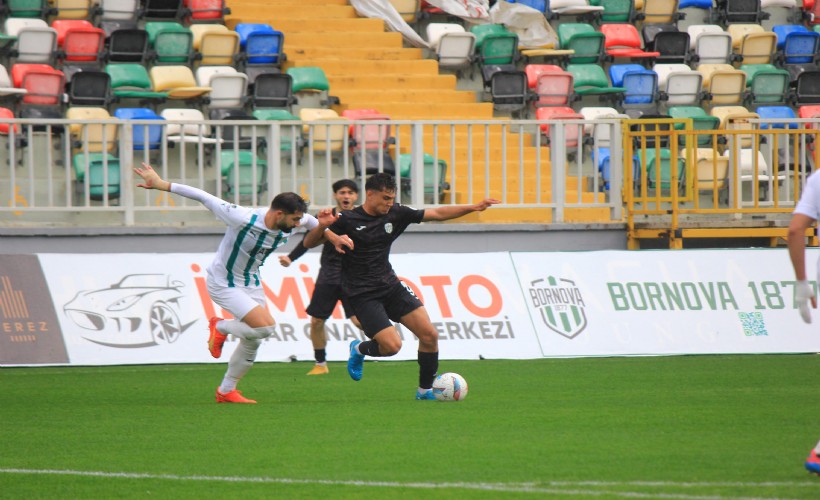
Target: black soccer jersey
(367, 267)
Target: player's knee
(317, 322)
(428, 336)
(264, 331)
(390, 347)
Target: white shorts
(237, 300)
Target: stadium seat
(756, 48)
(777, 113)
(767, 84)
(236, 136)
(170, 42)
(243, 172)
(187, 126)
(80, 46)
(28, 8)
(90, 88)
(808, 88)
(145, 137)
(229, 87)
(8, 128)
(273, 91)
(590, 79)
(495, 50)
(7, 88)
(659, 169)
(204, 11)
(290, 136)
(327, 138)
(103, 170)
(118, 14)
(588, 45)
(92, 137)
(72, 9)
(740, 11)
(35, 42)
(739, 31)
(623, 40)
(573, 132)
(736, 118)
(177, 81)
(261, 49)
(641, 84)
(700, 121)
(311, 86)
(369, 143)
(453, 46)
(127, 45)
(711, 172)
(599, 134)
(615, 11)
(752, 166)
(659, 12)
(722, 85)
(552, 88)
(131, 81)
(44, 85)
(713, 48)
(672, 47)
(695, 30)
(215, 44)
(162, 10)
(435, 177)
(509, 91)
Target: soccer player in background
(328, 289)
(233, 278)
(373, 290)
(804, 216)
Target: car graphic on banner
(140, 310)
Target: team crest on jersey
(388, 228)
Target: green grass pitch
(686, 427)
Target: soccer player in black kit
(328, 289)
(373, 290)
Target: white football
(450, 387)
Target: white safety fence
(79, 172)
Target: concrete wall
(421, 238)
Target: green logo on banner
(561, 305)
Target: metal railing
(79, 172)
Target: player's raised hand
(326, 217)
(485, 204)
(803, 295)
(151, 179)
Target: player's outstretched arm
(151, 179)
(448, 212)
(803, 292)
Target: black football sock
(320, 355)
(428, 366)
(370, 348)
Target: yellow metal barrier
(739, 181)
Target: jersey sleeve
(298, 251)
(226, 212)
(410, 215)
(308, 222)
(809, 203)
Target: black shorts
(324, 299)
(377, 311)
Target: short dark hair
(289, 203)
(380, 182)
(345, 183)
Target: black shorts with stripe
(377, 311)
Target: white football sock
(242, 330)
(241, 361)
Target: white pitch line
(500, 487)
